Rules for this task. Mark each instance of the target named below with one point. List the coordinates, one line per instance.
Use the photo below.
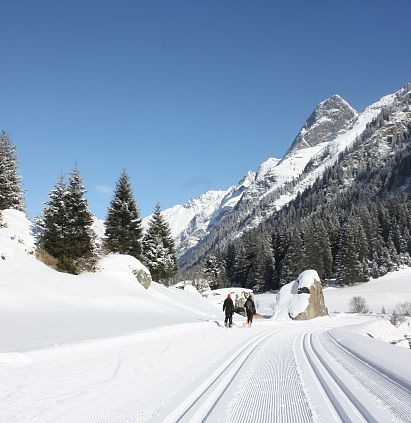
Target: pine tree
(292, 264)
(79, 218)
(123, 223)
(66, 224)
(11, 191)
(351, 257)
(158, 248)
(212, 271)
(54, 221)
(229, 263)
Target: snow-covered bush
(404, 308)
(201, 285)
(358, 305)
(400, 313)
(397, 319)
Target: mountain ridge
(276, 182)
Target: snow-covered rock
(329, 119)
(301, 299)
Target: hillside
(42, 307)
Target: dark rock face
(330, 118)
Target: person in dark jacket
(249, 309)
(228, 307)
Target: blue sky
(186, 96)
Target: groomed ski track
(296, 377)
(272, 372)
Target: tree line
(65, 225)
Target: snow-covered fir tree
(212, 271)
(79, 217)
(66, 223)
(228, 263)
(11, 191)
(158, 248)
(123, 223)
(54, 221)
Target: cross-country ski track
(273, 372)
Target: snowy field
(101, 348)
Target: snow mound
(371, 342)
(16, 234)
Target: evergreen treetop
(123, 223)
(158, 248)
(11, 191)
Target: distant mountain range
(219, 216)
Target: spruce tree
(54, 221)
(212, 271)
(292, 264)
(158, 248)
(11, 191)
(66, 223)
(123, 223)
(229, 259)
(351, 257)
(79, 218)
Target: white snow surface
(387, 292)
(99, 347)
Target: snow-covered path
(273, 372)
(299, 376)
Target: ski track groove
(274, 391)
(203, 400)
(339, 398)
(387, 392)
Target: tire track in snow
(386, 393)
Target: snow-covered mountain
(331, 128)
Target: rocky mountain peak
(329, 119)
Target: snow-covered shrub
(400, 313)
(404, 308)
(397, 319)
(201, 285)
(358, 305)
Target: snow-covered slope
(41, 307)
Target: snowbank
(371, 342)
(40, 307)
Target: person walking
(250, 310)
(228, 307)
